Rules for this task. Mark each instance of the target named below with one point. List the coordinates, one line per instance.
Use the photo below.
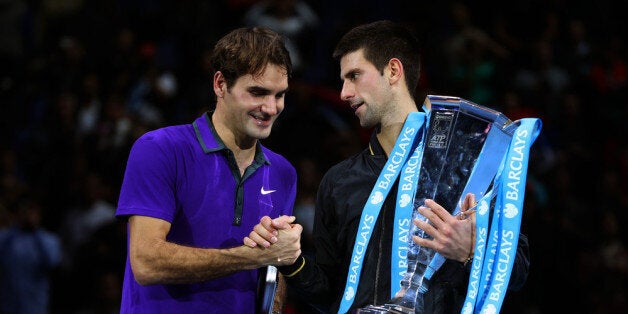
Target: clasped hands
(280, 238)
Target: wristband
(285, 269)
(467, 261)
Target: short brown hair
(248, 50)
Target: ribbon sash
(495, 255)
(404, 145)
(403, 218)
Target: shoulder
(4, 233)
(164, 139)
(358, 163)
(278, 161)
(49, 237)
(168, 135)
(163, 149)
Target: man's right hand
(266, 231)
(279, 237)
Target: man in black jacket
(379, 66)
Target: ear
(220, 85)
(396, 70)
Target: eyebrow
(349, 73)
(263, 91)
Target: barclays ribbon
(403, 211)
(403, 218)
(404, 145)
(481, 225)
(501, 249)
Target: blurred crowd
(81, 80)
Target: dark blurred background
(81, 80)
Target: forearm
(169, 263)
(310, 281)
(154, 260)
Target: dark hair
(248, 50)
(382, 41)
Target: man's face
(365, 89)
(253, 103)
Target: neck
(390, 128)
(387, 137)
(243, 147)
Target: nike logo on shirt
(264, 192)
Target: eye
(258, 92)
(353, 76)
(280, 95)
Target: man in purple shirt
(191, 192)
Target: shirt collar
(375, 148)
(210, 141)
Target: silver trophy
(455, 138)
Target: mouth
(356, 106)
(261, 120)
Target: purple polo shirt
(185, 175)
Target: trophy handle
(496, 118)
(267, 290)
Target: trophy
(463, 146)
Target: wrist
(291, 270)
(469, 258)
(467, 261)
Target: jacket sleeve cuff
(291, 270)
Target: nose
(271, 105)
(347, 91)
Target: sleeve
(148, 187)
(310, 275)
(521, 267)
(49, 246)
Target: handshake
(280, 238)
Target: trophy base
(386, 308)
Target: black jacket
(341, 197)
